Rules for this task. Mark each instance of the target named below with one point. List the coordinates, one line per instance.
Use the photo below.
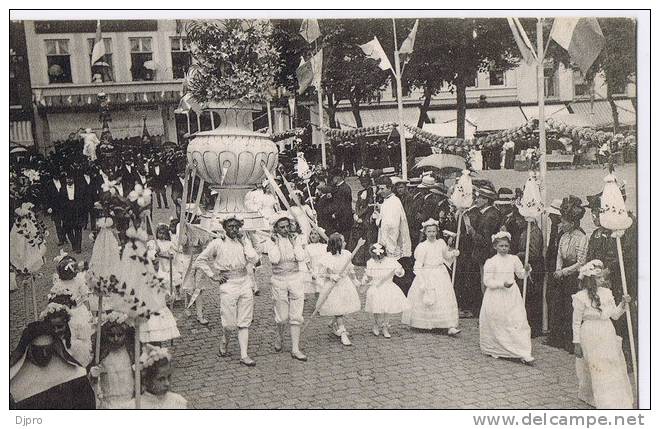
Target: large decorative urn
(230, 158)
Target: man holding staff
(225, 260)
(287, 285)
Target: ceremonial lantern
(461, 198)
(531, 205)
(230, 159)
(614, 215)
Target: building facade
(141, 73)
(21, 124)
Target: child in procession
(114, 372)
(431, 298)
(156, 373)
(315, 250)
(339, 286)
(58, 315)
(384, 297)
(601, 367)
(503, 328)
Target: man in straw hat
(225, 260)
(287, 286)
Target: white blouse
(584, 309)
(499, 270)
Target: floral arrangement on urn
(234, 67)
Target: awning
(600, 116)
(373, 117)
(496, 118)
(448, 129)
(550, 110)
(20, 132)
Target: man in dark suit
(72, 202)
(488, 223)
(91, 182)
(158, 174)
(176, 184)
(52, 189)
(342, 205)
(129, 174)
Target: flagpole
(540, 88)
(399, 97)
(270, 119)
(323, 154)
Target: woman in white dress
(431, 298)
(601, 367)
(503, 327)
(384, 297)
(342, 295)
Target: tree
(618, 59)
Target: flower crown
(591, 269)
(152, 354)
(430, 222)
(377, 249)
(115, 316)
(501, 234)
(52, 308)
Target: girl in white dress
(114, 373)
(58, 315)
(431, 298)
(601, 367)
(383, 296)
(70, 280)
(503, 328)
(315, 251)
(339, 286)
(164, 248)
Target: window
(59, 61)
(580, 85)
(405, 89)
(142, 64)
(474, 79)
(100, 71)
(181, 58)
(550, 80)
(619, 87)
(496, 77)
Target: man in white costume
(392, 224)
(225, 260)
(287, 285)
(90, 141)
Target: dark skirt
(560, 303)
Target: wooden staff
(529, 228)
(169, 259)
(99, 312)
(458, 240)
(633, 353)
(34, 297)
(325, 296)
(138, 391)
(309, 192)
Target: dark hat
(571, 208)
(593, 201)
(505, 196)
(484, 192)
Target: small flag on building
(581, 37)
(524, 45)
(310, 30)
(98, 51)
(375, 51)
(304, 74)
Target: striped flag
(581, 37)
(98, 51)
(375, 51)
(524, 45)
(310, 30)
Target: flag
(524, 45)
(98, 51)
(305, 75)
(374, 51)
(581, 37)
(409, 43)
(310, 30)
(317, 69)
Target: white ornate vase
(230, 159)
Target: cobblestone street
(414, 369)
